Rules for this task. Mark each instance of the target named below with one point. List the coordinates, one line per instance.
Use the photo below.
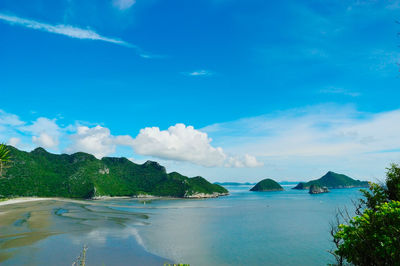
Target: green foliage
(267, 185)
(81, 175)
(5, 158)
(373, 237)
(393, 182)
(200, 185)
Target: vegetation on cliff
(373, 236)
(81, 175)
(333, 180)
(267, 185)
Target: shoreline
(139, 197)
(24, 200)
(13, 214)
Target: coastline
(36, 215)
(24, 200)
(32, 199)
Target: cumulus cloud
(45, 140)
(66, 30)
(244, 161)
(14, 142)
(184, 143)
(97, 141)
(123, 4)
(45, 132)
(177, 143)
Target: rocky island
(316, 189)
(267, 185)
(80, 175)
(333, 180)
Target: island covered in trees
(267, 185)
(333, 180)
(81, 175)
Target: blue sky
(225, 89)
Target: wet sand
(47, 231)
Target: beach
(55, 230)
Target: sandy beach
(30, 199)
(23, 200)
(55, 229)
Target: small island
(316, 189)
(332, 180)
(267, 185)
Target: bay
(288, 227)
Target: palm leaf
(4, 153)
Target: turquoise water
(246, 228)
(289, 227)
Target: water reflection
(53, 232)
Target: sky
(229, 90)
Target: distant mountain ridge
(333, 180)
(81, 175)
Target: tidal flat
(53, 232)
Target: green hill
(333, 180)
(80, 175)
(267, 185)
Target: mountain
(80, 175)
(333, 180)
(267, 185)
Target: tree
(373, 236)
(5, 158)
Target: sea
(290, 227)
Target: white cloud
(179, 143)
(15, 142)
(123, 4)
(97, 141)
(7, 119)
(124, 140)
(200, 73)
(45, 132)
(307, 142)
(183, 143)
(244, 161)
(294, 144)
(66, 30)
(45, 140)
(335, 90)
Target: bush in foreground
(373, 236)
